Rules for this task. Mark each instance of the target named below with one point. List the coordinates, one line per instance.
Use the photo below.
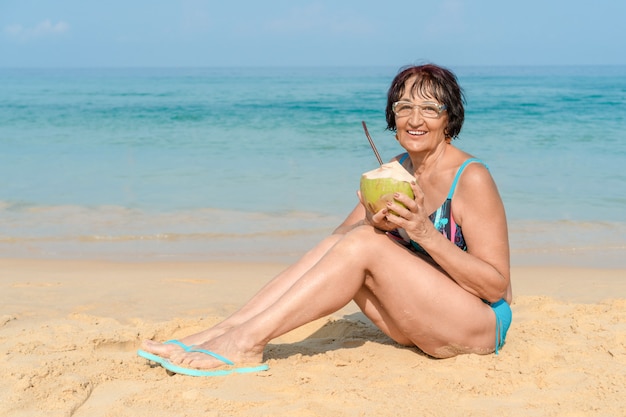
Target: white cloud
(45, 28)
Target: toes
(194, 360)
(181, 357)
(150, 345)
(157, 348)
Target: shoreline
(551, 280)
(70, 330)
(118, 233)
(551, 244)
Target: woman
(431, 272)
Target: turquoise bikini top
(442, 218)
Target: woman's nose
(416, 117)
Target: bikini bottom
(503, 321)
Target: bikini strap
(403, 158)
(458, 174)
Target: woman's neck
(423, 164)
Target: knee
(362, 238)
(366, 234)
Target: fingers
(380, 216)
(397, 213)
(402, 201)
(402, 210)
(418, 193)
(410, 204)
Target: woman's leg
(266, 296)
(430, 311)
(407, 295)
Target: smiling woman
(429, 83)
(395, 263)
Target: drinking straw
(380, 161)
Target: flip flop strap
(178, 343)
(215, 355)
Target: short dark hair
(430, 81)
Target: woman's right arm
(354, 219)
(360, 216)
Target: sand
(69, 331)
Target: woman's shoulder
(461, 161)
(400, 157)
(468, 170)
(474, 178)
(476, 191)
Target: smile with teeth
(416, 132)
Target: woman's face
(417, 132)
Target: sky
(222, 33)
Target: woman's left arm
(484, 270)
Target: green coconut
(379, 185)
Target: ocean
(260, 163)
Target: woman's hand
(377, 220)
(410, 215)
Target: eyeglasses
(429, 110)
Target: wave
(121, 232)
(164, 237)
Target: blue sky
(133, 33)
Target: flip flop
(165, 363)
(155, 358)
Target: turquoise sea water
(259, 163)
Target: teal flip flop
(155, 358)
(199, 372)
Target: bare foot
(228, 346)
(169, 348)
(162, 349)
